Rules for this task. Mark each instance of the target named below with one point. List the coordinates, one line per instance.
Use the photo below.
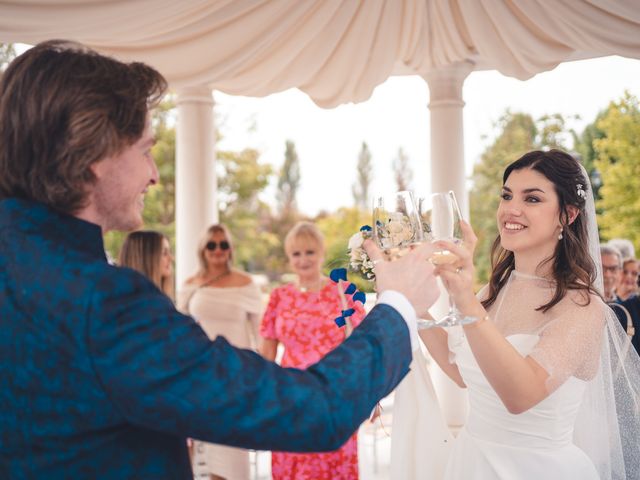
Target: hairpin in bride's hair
(581, 193)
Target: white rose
(395, 227)
(355, 241)
(400, 232)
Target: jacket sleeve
(162, 372)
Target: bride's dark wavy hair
(572, 265)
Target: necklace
(216, 278)
(313, 286)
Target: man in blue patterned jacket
(100, 377)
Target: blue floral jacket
(100, 376)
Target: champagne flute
(442, 217)
(396, 223)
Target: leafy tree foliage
(584, 146)
(7, 53)
(618, 161)
(241, 179)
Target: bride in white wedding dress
(553, 392)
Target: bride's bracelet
(469, 319)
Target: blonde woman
(149, 252)
(225, 302)
(300, 316)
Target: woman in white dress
(550, 396)
(225, 302)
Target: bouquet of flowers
(395, 230)
(358, 258)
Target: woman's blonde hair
(216, 228)
(142, 251)
(303, 233)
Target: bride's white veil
(608, 424)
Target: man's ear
(572, 213)
(97, 168)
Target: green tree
(618, 155)
(584, 146)
(552, 131)
(364, 177)
(288, 181)
(7, 53)
(241, 179)
(402, 172)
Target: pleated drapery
(336, 51)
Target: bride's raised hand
(458, 276)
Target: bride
(552, 384)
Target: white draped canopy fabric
(336, 51)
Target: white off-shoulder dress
(235, 314)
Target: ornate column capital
(199, 94)
(445, 84)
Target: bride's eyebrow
(525, 191)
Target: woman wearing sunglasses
(225, 302)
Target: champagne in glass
(442, 215)
(396, 224)
(442, 257)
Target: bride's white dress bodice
(495, 444)
(547, 425)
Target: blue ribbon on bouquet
(336, 275)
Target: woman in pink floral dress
(301, 317)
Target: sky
(328, 141)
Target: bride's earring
(560, 234)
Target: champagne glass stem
(453, 311)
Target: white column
(196, 183)
(448, 173)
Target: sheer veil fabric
(582, 347)
(608, 423)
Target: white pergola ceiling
(336, 51)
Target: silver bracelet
(467, 320)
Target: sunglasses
(211, 245)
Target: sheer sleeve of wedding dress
(569, 334)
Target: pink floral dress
(304, 323)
